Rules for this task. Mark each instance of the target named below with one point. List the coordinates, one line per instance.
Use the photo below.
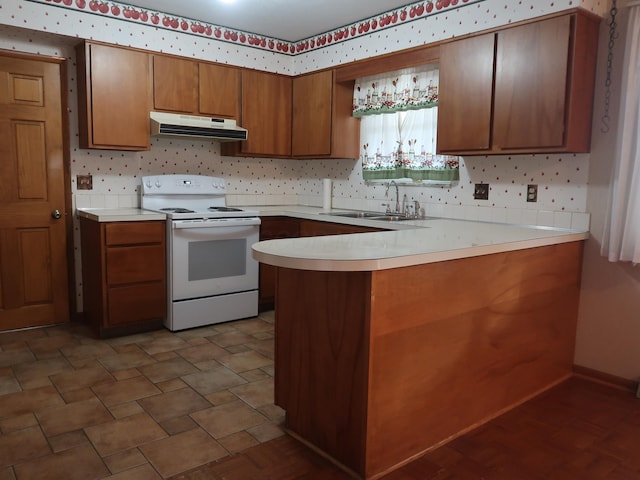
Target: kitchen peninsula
(389, 344)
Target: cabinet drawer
(129, 233)
(135, 264)
(136, 303)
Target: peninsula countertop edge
(406, 243)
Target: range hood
(177, 125)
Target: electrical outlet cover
(481, 191)
(84, 182)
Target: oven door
(212, 257)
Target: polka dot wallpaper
(48, 29)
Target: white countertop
(119, 214)
(411, 242)
(406, 243)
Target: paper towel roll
(326, 193)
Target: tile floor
(145, 406)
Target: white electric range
(211, 275)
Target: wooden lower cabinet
(123, 275)
(376, 368)
(273, 228)
(313, 228)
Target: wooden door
(531, 85)
(33, 254)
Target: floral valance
(410, 89)
(415, 167)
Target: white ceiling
(289, 20)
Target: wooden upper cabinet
(465, 94)
(219, 91)
(175, 84)
(531, 84)
(322, 123)
(266, 114)
(113, 97)
(543, 82)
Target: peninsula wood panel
(438, 349)
(465, 340)
(321, 359)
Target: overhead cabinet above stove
(523, 89)
(198, 88)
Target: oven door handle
(218, 223)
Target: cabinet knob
(56, 214)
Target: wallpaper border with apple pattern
(391, 18)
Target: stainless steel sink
(392, 218)
(355, 214)
(384, 217)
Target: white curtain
(411, 131)
(398, 129)
(621, 241)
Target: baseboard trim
(606, 378)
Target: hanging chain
(613, 35)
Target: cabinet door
(322, 122)
(136, 303)
(113, 98)
(311, 118)
(465, 94)
(175, 84)
(530, 86)
(219, 89)
(266, 113)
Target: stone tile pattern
(150, 405)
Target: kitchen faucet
(392, 182)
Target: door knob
(56, 214)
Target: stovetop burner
(177, 210)
(225, 209)
(189, 197)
